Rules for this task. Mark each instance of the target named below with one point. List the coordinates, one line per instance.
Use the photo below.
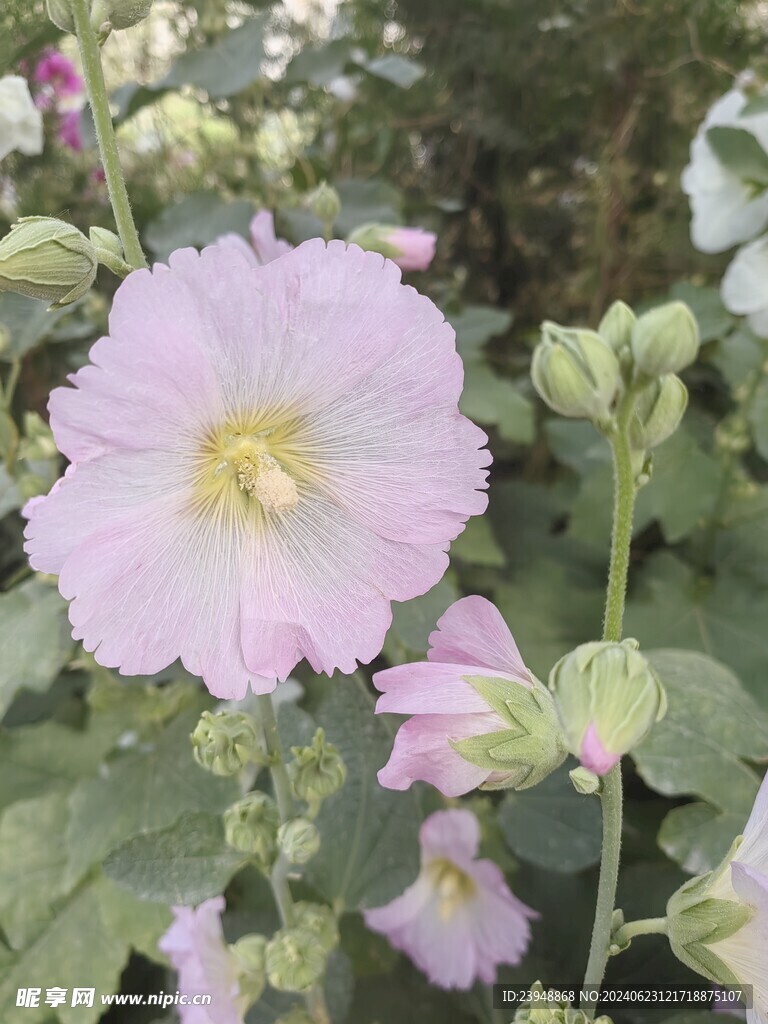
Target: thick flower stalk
(263, 458)
(459, 920)
(478, 715)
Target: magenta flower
(459, 920)
(265, 245)
(59, 79)
(471, 639)
(265, 458)
(195, 946)
(415, 247)
(69, 130)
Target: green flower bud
(616, 326)
(584, 781)
(294, 960)
(299, 840)
(250, 953)
(576, 373)
(225, 742)
(546, 1007)
(251, 824)
(109, 251)
(317, 771)
(298, 1015)
(119, 14)
(375, 238)
(60, 13)
(47, 259)
(324, 202)
(698, 916)
(608, 698)
(665, 340)
(658, 410)
(533, 745)
(321, 921)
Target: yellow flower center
(248, 467)
(453, 886)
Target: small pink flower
(69, 130)
(195, 946)
(593, 754)
(58, 71)
(266, 458)
(471, 639)
(459, 920)
(265, 245)
(415, 246)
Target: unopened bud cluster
(251, 825)
(47, 259)
(584, 374)
(296, 956)
(224, 743)
(317, 771)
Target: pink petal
(421, 752)
(417, 247)
(501, 929)
(265, 243)
(427, 688)
(453, 834)
(473, 632)
(593, 754)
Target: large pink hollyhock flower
(195, 946)
(265, 245)
(471, 639)
(458, 920)
(266, 457)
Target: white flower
(745, 286)
(21, 123)
(725, 209)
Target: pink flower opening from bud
(195, 946)
(459, 920)
(593, 754)
(416, 247)
(471, 639)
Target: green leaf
(139, 923)
(27, 322)
(226, 67)
(552, 826)
(396, 69)
(140, 792)
(477, 544)
(76, 950)
(319, 65)
(758, 418)
(737, 357)
(31, 866)
(197, 220)
(684, 487)
(362, 202)
(413, 622)
(712, 725)
(476, 325)
(35, 639)
(698, 835)
(183, 864)
(739, 152)
(724, 617)
(46, 758)
(370, 846)
(493, 400)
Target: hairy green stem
(623, 511)
(646, 926)
(105, 132)
(278, 878)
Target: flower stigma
(453, 886)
